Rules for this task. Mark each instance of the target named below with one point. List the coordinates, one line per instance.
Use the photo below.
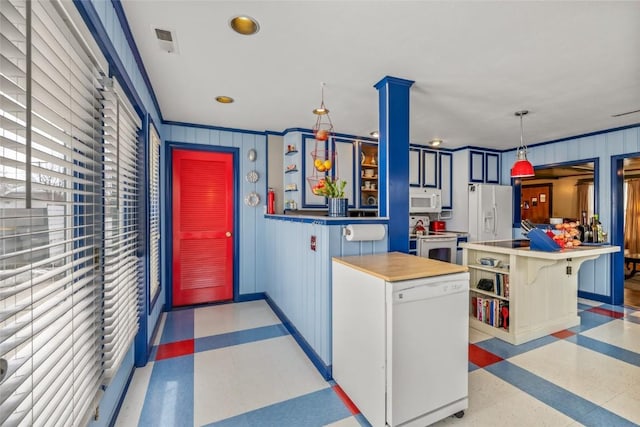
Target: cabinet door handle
(228, 234)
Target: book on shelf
(492, 311)
(506, 286)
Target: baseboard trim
(325, 370)
(607, 299)
(116, 412)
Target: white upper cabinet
(414, 167)
(446, 179)
(484, 167)
(429, 168)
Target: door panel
(202, 227)
(535, 208)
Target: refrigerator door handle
(495, 220)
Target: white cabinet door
(429, 168)
(492, 175)
(446, 180)
(476, 166)
(414, 167)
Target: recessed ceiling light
(224, 99)
(374, 133)
(435, 142)
(244, 25)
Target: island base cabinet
(521, 295)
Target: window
(58, 340)
(122, 267)
(154, 213)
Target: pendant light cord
(521, 114)
(522, 134)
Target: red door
(202, 227)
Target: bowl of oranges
(322, 160)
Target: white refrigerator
(490, 212)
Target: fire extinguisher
(271, 201)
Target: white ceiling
(572, 64)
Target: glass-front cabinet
(344, 166)
(350, 159)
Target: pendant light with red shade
(522, 167)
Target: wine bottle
(595, 229)
(588, 232)
(582, 226)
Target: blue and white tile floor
(236, 365)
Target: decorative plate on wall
(252, 177)
(252, 199)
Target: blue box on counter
(539, 241)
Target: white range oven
(438, 245)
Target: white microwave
(425, 200)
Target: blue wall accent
(617, 224)
(393, 158)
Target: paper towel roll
(360, 232)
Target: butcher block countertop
(396, 266)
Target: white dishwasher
(400, 348)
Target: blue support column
(393, 158)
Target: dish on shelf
(490, 262)
(371, 201)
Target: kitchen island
(518, 294)
(297, 277)
(400, 337)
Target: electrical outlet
(313, 243)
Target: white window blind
(154, 212)
(50, 219)
(122, 269)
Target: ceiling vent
(166, 40)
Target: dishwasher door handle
(431, 290)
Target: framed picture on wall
(534, 201)
(543, 198)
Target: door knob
(228, 234)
